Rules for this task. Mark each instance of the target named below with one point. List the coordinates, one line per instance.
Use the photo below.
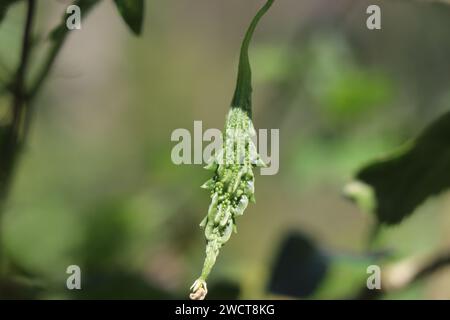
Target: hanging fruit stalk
(232, 186)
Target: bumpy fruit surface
(231, 188)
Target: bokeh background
(96, 186)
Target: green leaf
(243, 93)
(132, 12)
(4, 5)
(404, 180)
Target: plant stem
(13, 138)
(243, 93)
(21, 105)
(45, 70)
(59, 36)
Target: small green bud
(208, 185)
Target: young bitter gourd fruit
(232, 186)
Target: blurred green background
(96, 186)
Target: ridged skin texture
(231, 188)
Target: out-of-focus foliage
(96, 187)
(299, 267)
(303, 269)
(343, 90)
(4, 7)
(404, 180)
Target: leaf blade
(132, 12)
(407, 178)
